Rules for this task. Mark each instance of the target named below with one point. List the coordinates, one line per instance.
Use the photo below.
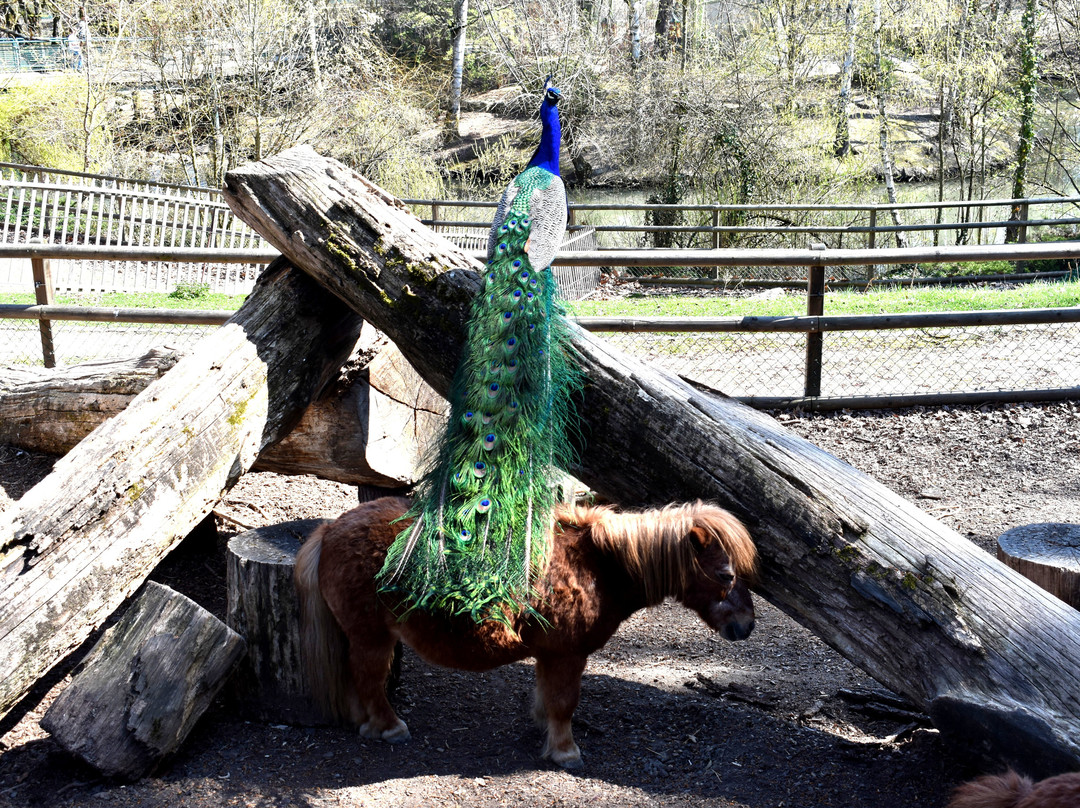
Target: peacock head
(552, 94)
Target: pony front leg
(558, 689)
(370, 666)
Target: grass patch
(215, 301)
(1036, 295)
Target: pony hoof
(398, 733)
(569, 759)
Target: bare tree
(461, 28)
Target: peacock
(482, 515)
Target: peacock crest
(482, 516)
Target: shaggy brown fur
(604, 566)
(1010, 790)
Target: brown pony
(604, 566)
(1010, 790)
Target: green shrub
(190, 291)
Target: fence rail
(818, 361)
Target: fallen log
(52, 409)
(84, 538)
(924, 611)
(367, 428)
(145, 684)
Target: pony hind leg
(558, 690)
(370, 663)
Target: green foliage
(417, 30)
(190, 291)
(876, 301)
(213, 301)
(41, 123)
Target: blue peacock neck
(547, 153)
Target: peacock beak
(554, 95)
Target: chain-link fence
(767, 367)
(76, 342)
(898, 363)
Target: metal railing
(624, 226)
(817, 361)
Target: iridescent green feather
(482, 516)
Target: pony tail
(323, 646)
(992, 791)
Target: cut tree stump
(145, 684)
(263, 609)
(909, 600)
(86, 537)
(1048, 554)
(368, 427)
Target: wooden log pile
(366, 428)
(87, 536)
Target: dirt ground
(671, 715)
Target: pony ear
(700, 537)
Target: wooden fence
(814, 325)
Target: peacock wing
(547, 212)
(508, 197)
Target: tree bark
(145, 684)
(368, 428)
(461, 30)
(271, 683)
(842, 138)
(883, 129)
(87, 535)
(909, 600)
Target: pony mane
(653, 544)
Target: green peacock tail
(482, 515)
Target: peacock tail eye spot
(512, 342)
(525, 220)
(487, 418)
(468, 416)
(517, 294)
(489, 441)
(480, 469)
(493, 390)
(517, 263)
(503, 229)
(502, 246)
(483, 506)
(465, 535)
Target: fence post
(43, 294)
(815, 307)
(871, 242)
(434, 214)
(1022, 235)
(571, 216)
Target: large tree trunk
(87, 535)
(368, 428)
(912, 602)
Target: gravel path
(670, 716)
